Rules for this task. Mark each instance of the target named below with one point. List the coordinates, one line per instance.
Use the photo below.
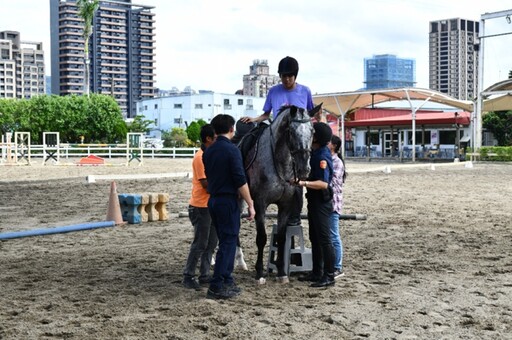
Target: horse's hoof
(261, 281)
(283, 279)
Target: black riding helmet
(323, 133)
(288, 65)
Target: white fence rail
(108, 151)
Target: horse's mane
(284, 108)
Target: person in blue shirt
(319, 197)
(288, 92)
(226, 182)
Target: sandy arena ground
(432, 261)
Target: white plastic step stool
(297, 257)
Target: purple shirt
(279, 96)
(337, 184)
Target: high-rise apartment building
(121, 48)
(387, 71)
(21, 67)
(453, 61)
(259, 81)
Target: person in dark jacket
(226, 182)
(319, 197)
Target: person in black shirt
(319, 197)
(226, 181)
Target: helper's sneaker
(326, 281)
(233, 287)
(221, 294)
(310, 278)
(338, 273)
(191, 283)
(205, 280)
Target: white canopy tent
(497, 97)
(343, 102)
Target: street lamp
(457, 136)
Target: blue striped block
(130, 207)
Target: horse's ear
(293, 110)
(315, 110)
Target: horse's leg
(261, 241)
(282, 276)
(239, 256)
(282, 219)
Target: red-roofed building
(383, 132)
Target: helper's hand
(294, 181)
(251, 212)
(246, 120)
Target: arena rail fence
(67, 151)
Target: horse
(278, 158)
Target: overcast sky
(209, 45)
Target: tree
(193, 132)
(178, 137)
(7, 116)
(500, 124)
(86, 10)
(140, 124)
(97, 117)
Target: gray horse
(280, 156)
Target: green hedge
(496, 153)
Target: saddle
(248, 136)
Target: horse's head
(299, 140)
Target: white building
(180, 111)
(21, 67)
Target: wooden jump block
(130, 207)
(154, 207)
(161, 207)
(144, 207)
(151, 207)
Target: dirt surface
(432, 261)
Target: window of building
(198, 106)
(178, 106)
(419, 140)
(240, 102)
(156, 106)
(374, 138)
(447, 136)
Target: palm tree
(86, 9)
